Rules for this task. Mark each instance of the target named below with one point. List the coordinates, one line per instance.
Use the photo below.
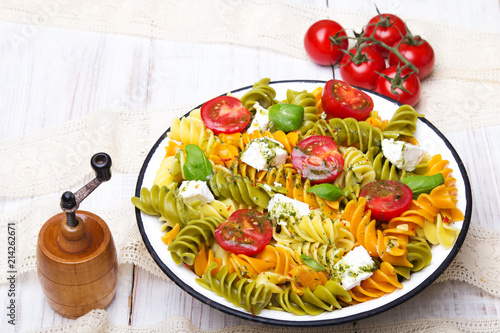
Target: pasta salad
(278, 204)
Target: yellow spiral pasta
(191, 130)
(326, 255)
(315, 228)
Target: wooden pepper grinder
(76, 255)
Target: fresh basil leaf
(423, 184)
(327, 191)
(286, 117)
(197, 166)
(308, 261)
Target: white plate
(429, 138)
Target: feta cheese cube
(193, 190)
(281, 207)
(260, 121)
(264, 152)
(354, 267)
(403, 155)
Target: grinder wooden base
(77, 267)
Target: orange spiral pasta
(383, 281)
(389, 245)
(375, 120)
(438, 165)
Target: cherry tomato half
(411, 84)
(341, 100)
(246, 232)
(419, 52)
(387, 199)
(360, 68)
(318, 159)
(225, 114)
(391, 29)
(319, 46)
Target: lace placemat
(97, 321)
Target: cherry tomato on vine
(387, 199)
(419, 52)
(318, 159)
(246, 231)
(390, 30)
(360, 68)
(320, 47)
(404, 83)
(225, 114)
(341, 100)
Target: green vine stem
(360, 39)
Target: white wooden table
(56, 75)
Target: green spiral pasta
(261, 92)
(308, 102)
(403, 122)
(348, 132)
(224, 184)
(419, 254)
(323, 298)
(243, 293)
(189, 240)
(385, 170)
(351, 193)
(166, 203)
(357, 169)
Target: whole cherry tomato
(419, 52)
(360, 67)
(393, 79)
(390, 30)
(320, 46)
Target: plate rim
(313, 323)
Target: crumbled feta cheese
(403, 155)
(264, 152)
(354, 267)
(281, 207)
(193, 190)
(267, 188)
(260, 120)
